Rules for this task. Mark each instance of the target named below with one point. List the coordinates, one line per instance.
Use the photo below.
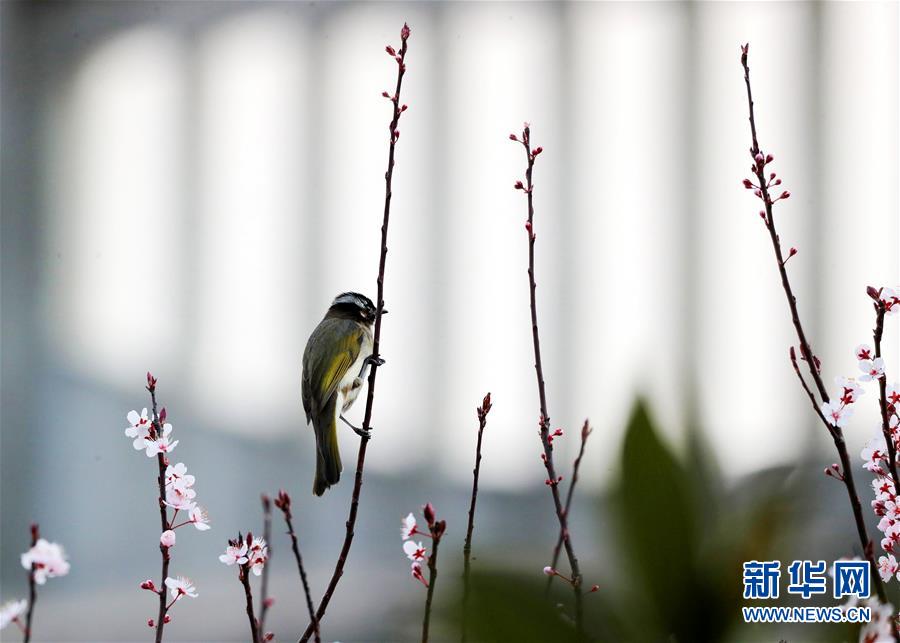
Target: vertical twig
(398, 109)
(437, 529)
(585, 432)
(32, 586)
(264, 602)
(248, 595)
(877, 334)
(283, 502)
(163, 514)
(482, 412)
(544, 422)
(812, 362)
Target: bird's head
(352, 305)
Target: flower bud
(785, 195)
(149, 585)
(150, 622)
(167, 619)
(404, 32)
(549, 571)
(748, 184)
(759, 158)
(428, 512)
(595, 588)
(167, 539)
(391, 51)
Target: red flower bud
(513, 137)
(428, 512)
(150, 622)
(769, 158)
(748, 184)
(537, 151)
(595, 588)
(385, 94)
(391, 51)
(759, 158)
(792, 252)
(519, 185)
(167, 619)
(785, 195)
(404, 32)
(873, 293)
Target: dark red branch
(552, 479)
(482, 412)
(877, 334)
(585, 432)
(32, 586)
(163, 517)
(806, 352)
(397, 109)
(283, 502)
(264, 602)
(244, 573)
(437, 530)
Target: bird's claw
(377, 361)
(366, 434)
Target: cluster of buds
(762, 188)
(556, 434)
(416, 552)
(283, 502)
(552, 483)
(400, 57)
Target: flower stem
(32, 587)
(882, 396)
(248, 595)
(376, 345)
(432, 581)
(163, 518)
(264, 583)
(542, 394)
(585, 432)
(482, 412)
(806, 352)
(295, 547)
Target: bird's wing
(332, 348)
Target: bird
(337, 357)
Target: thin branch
(398, 109)
(586, 430)
(248, 596)
(806, 352)
(437, 530)
(482, 412)
(552, 479)
(163, 514)
(264, 601)
(32, 587)
(877, 334)
(283, 502)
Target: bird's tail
(328, 458)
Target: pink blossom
(414, 551)
(863, 351)
(181, 586)
(836, 413)
(199, 518)
(48, 559)
(887, 566)
(872, 369)
(161, 444)
(408, 527)
(167, 538)
(139, 428)
(850, 389)
(11, 611)
(178, 476)
(234, 555)
(874, 454)
(258, 555)
(890, 300)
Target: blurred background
(186, 186)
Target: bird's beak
(384, 311)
